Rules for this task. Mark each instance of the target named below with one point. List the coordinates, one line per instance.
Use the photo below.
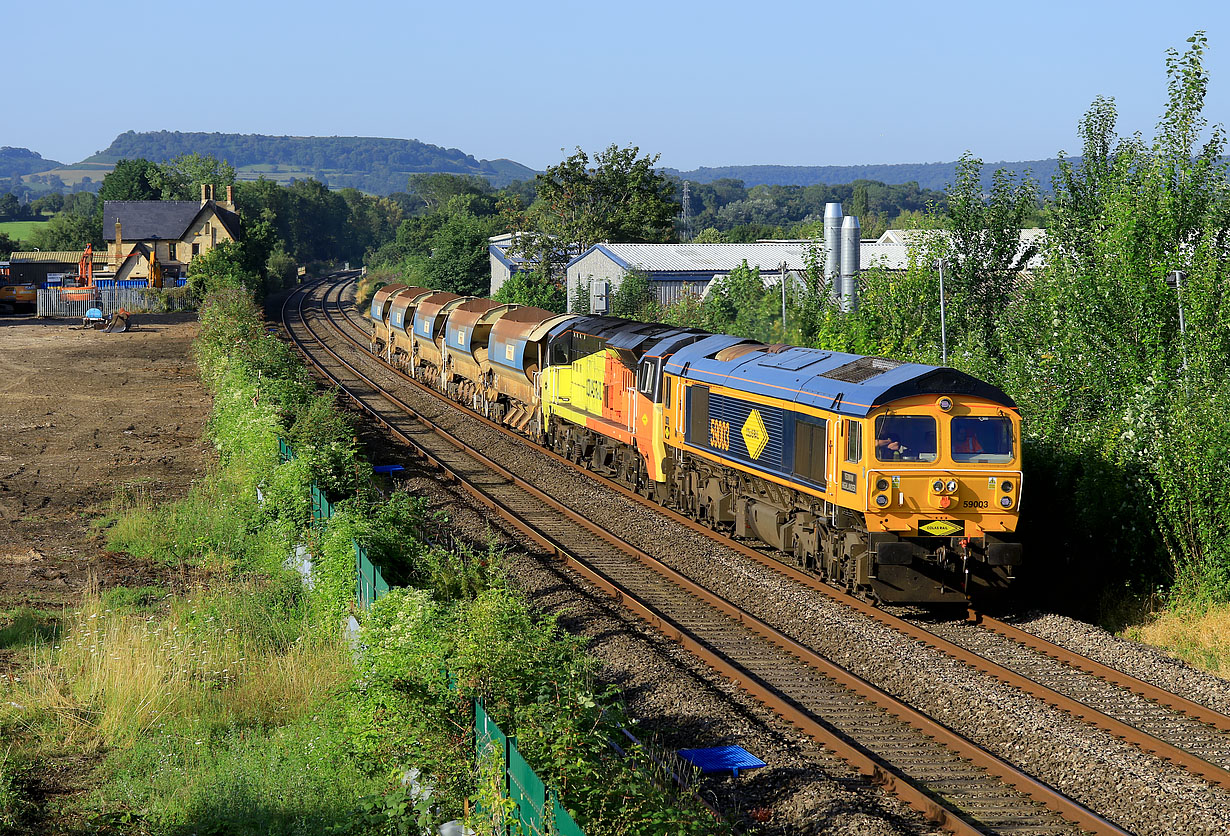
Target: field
(19, 230)
(71, 175)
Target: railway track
(949, 778)
(1181, 731)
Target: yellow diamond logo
(755, 436)
(941, 528)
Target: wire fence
(74, 302)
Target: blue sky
(713, 83)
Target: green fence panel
(487, 733)
(528, 792)
(564, 825)
(321, 509)
(369, 582)
(363, 580)
(284, 451)
(490, 739)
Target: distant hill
(372, 164)
(14, 162)
(927, 175)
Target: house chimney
(204, 193)
(119, 239)
(230, 198)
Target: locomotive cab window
(982, 440)
(905, 438)
(811, 450)
(647, 376)
(854, 441)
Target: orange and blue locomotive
(899, 481)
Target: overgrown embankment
(241, 706)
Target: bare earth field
(84, 415)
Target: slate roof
(166, 220)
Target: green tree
(534, 288)
(183, 176)
(634, 298)
(219, 268)
(1126, 424)
(435, 190)
(137, 179)
(709, 235)
(79, 224)
(459, 260)
(620, 197)
(10, 207)
(984, 257)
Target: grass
(215, 712)
(13, 803)
(26, 627)
(20, 230)
(235, 658)
(1199, 637)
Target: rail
(757, 684)
(1083, 711)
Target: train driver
(889, 447)
(966, 442)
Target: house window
(171, 251)
(207, 228)
(196, 249)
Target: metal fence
(73, 304)
(536, 811)
(370, 584)
(322, 509)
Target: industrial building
(676, 271)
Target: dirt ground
(83, 415)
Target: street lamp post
(943, 323)
(1175, 279)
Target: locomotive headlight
(938, 486)
(944, 403)
(881, 484)
(1006, 485)
(1006, 501)
(952, 486)
(882, 500)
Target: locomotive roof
(851, 384)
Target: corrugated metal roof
(701, 258)
(55, 257)
(1031, 237)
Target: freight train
(898, 481)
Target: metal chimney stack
(832, 248)
(851, 251)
